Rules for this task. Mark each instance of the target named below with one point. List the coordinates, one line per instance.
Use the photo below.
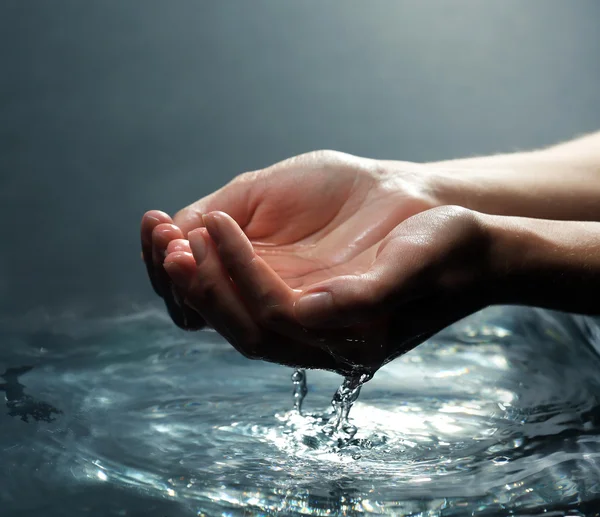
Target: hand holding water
(325, 224)
(333, 261)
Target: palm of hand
(310, 224)
(311, 219)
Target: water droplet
(300, 389)
(341, 403)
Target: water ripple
(498, 413)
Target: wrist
(482, 190)
(411, 181)
(544, 263)
(509, 261)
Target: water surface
(497, 415)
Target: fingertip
(166, 228)
(231, 241)
(179, 245)
(315, 309)
(162, 235)
(196, 232)
(150, 221)
(219, 217)
(183, 258)
(180, 267)
(156, 215)
(345, 301)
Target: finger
(213, 295)
(268, 298)
(179, 245)
(151, 220)
(183, 317)
(235, 198)
(162, 235)
(392, 279)
(266, 295)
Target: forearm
(550, 264)
(561, 182)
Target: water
(299, 389)
(343, 400)
(341, 403)
(497, 415)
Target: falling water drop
(300, 389)
(342, 402)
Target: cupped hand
(427, 272)
(311, 217)
(327, 224)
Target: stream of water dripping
(341, 403)
(299, 388)
(338, 426)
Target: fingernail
(314, 308)
(199, 248)
(177, 274)
(212, 225)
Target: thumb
(394, 278)
(339, 303)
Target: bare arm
(550, 264)
(560, 182)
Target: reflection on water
(497, 415)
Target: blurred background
(111, 108)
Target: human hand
(312, 217)
(424, 274)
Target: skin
(384, 247)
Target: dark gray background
(113, 107)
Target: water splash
(499, 414)
(299, 388)
(343, 400)
(341, 404)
